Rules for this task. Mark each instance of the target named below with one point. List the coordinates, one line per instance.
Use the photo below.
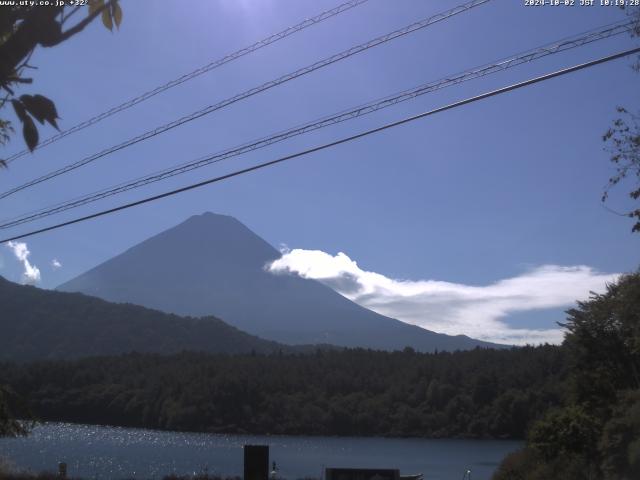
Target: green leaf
(31, 106)
(116, 13)
(19, 109)
(30, 133)
(49, 33)
(95, 5)
(41, 108)
(106, 19)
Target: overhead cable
(325, 146)
(494, 67)
(195, 73)
(253, 91)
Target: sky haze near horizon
(471, 197)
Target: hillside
(40, 324)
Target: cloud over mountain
(214, 265)
(452, 308)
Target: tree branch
(69, 15)
(24, 39)
(78, 27)
(34, 30)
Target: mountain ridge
(39, 324)
(212, 264)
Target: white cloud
(55, 264)
(453, 308)
(31, 273)
(284, 248)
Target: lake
(116, 453)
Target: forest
(479, 393)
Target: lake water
(118, 453)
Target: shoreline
(274, 435)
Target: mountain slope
(214, 265)
(40, 324)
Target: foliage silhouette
(596, 432)
(24, 27)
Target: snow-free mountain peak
(212, 264)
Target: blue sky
(487, 192)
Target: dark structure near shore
(256, 462)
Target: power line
(196, 73)
(253, 91)
(260, 166)
(567, 43)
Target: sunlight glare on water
(98, 452)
